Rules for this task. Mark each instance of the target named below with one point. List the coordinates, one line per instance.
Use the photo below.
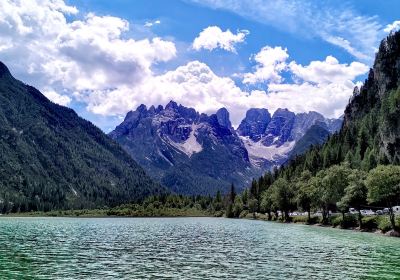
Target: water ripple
(189, 248)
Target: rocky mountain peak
(185, 149)
(386, 71)
(172, 105)
(280, 127)
(254, 124)
(223, 118)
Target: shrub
(244, 213)
(370, 223)
(219, 213)
(304, 219)
(349, 221)
(384, 223)
(315, 220)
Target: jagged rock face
(272, 145)
(384, 80)
(188, 152)
(194, 153)
(280, 128)
(303, 122)
(223, 118)
(373, 110)
(254, 124)
(386, 70)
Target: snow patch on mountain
(258, 152)
(190, 146)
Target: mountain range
(192, 153)
(53, 159)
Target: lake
(189, 248)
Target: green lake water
(189, 248)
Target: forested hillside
(356, 167)
(53, 159)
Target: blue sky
(104, 58)
(183, 20)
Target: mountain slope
(370, 134)
(315, 135)
(53, 159)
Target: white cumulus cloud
(335, 22)
(196, 85)
(328, 71)
(270, 62)
(213, 37)
(93, 60)
(80, 55)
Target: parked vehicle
(318, 213)
(367, 212)
(385, 211)
(379, 212)
(353, 211)
(396, 209)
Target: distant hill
(314, 136)
(53, 159)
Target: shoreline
(390, 233)
(100, 216)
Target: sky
(104, 58)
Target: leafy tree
(267, 204)
(342, 207)
(305, 192)
(355, 194)
(334, 181)
(283, 196)
(383, 183)
(237, 206)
